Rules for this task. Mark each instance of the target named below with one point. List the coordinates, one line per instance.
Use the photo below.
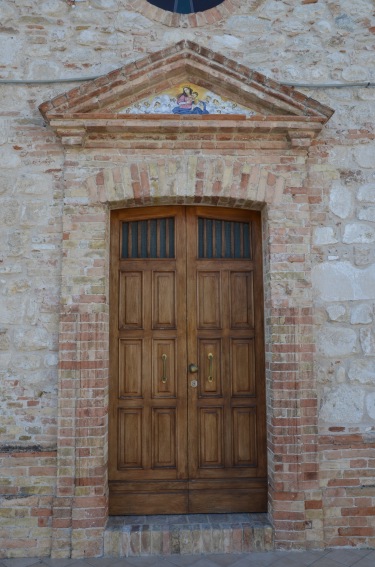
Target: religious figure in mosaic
(190, 99)
(189, 103)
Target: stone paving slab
(321, 558)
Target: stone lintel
(73, 129)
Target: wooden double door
(187, 397)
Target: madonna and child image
(187, 99)
(189, 103)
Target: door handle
(210, 364)
(164, 377)
(193, 368)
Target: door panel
(209, 364)
(164, 300)
(226, 430)
(244, 434)
(210, 427)
(130, 368)
(241, 300)
(130, 438)
(243, 367)
(164, 368)
(186, 280)
(131, 300)
(208, 300)
(164, 438)
(148, 437)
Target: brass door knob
(193, 368)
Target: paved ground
(326, 558)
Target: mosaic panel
(187, 98)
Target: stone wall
(317, 41)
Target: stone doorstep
(190, 534)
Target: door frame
(278, 189)
(199, 489)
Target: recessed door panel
(130, 368)
(241, 300)
(243, 367)
(209, 309)
(209, 363)
(131, 300)
(164, 438)
(244, 438)
(164, 300)
(130, 438)
(211, 450)
(163, 368)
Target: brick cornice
(83, 130)
(96, 107)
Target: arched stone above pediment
(224, 10)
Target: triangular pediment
(185, 83)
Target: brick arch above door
(232, 181)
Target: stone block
(335, 341)
(33, 184)
(9, 158)
(7, 181)
(32, 214)
(27, 361)
(341, 281)
(370, 405)
(366, 214)
(18, 286)
(157, 541)
(9, 212)
(340, 200)
(363, 371)
(324, 235)
(367, 339)
(358, 233)
(4, 338)
(345, 22)
(364, 155)
(363, 255)
(342, 405)
(355, 72)
(36, 338)
(17, 242)
(337, 312)
(362, 313)
(367, 193)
